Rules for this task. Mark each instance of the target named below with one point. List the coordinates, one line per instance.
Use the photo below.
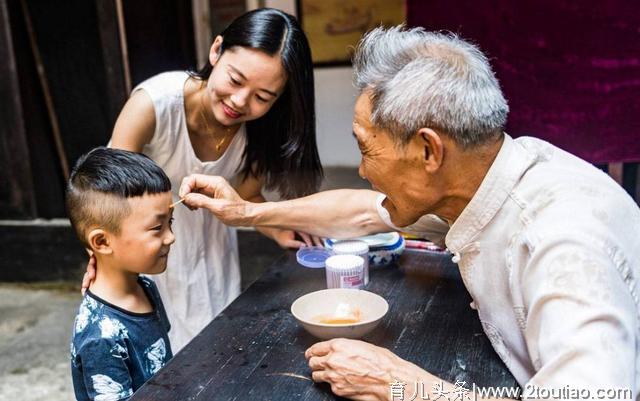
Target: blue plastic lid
(313, 256)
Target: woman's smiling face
(244, 84)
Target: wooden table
(248, 351)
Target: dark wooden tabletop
(254, 350)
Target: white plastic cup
(345, 271)
(354, 247)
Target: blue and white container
(384, 248)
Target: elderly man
(547, 245)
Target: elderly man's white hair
(426, 79)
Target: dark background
(570, 71)
(79, 46)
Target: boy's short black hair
(101, 182)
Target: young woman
(247, 116)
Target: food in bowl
(344, 314)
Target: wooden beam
(202, 30)
(46, 91)
(112, 57)
(124, 47)
(616, 172)
(17, 198)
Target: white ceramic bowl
(308, 308)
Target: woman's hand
(90, 274)
(287, 238)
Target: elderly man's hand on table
(359, 370)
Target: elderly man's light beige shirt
(549, 249)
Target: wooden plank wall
(16, 187)
(79, 44)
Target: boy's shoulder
(114, 350)
(98, 350)
(149, 285)
(152, 291)
(97, 322)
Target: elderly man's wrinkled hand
(210, 185)
(216, 195)
(354, 369)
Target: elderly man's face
(397, 172)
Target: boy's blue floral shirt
(114, 351)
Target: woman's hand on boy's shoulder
(90, 274)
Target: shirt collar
(505, 172)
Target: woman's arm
(136, 123)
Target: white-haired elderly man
(548, 246)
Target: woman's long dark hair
(281, 145)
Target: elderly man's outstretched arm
(339, 213)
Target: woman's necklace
(206, 123)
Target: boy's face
(145, 235)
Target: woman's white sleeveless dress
(203, 271)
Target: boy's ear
(99, 241)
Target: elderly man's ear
(431, 142)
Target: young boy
(119, 205)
